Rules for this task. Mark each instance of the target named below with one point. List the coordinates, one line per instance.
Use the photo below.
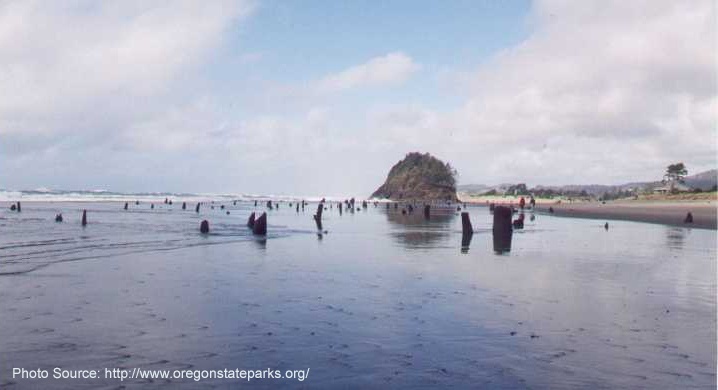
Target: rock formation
(420, 177)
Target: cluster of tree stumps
(503, 224)
(258, 225)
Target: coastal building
(671, 187)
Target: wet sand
(666, 213)
(382, 300)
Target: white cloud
(629, 86)
(64, 61)
(390, 69)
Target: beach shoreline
(672, 213)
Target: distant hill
(421, 177)
(704, 180)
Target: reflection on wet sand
(675, 237)
(413, 230)
(465, 242)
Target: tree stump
(260, 225)
(250, 221)
(466, 227)
(84, 217)
(318, 216)
(502, 229)
(204, 227)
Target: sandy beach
(670, 212)
(666, 213)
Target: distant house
(670, 187)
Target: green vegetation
(675, 173)
(419, 176)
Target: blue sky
(321, 98)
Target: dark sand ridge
(667, 213)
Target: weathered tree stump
(19, 208)
(58, 217)
(502, 229)
(260, 225)
(152, 206)
(126, 205)
(466, 227)
(196, 209)
(184, 205)
(204, 227)
(318, 216)
(250, 221)
(84, 217)
(13, 207)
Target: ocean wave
(48, 195)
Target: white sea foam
(48, 195)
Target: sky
(323, 97)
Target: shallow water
(381, 300)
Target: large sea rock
(419, 177)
